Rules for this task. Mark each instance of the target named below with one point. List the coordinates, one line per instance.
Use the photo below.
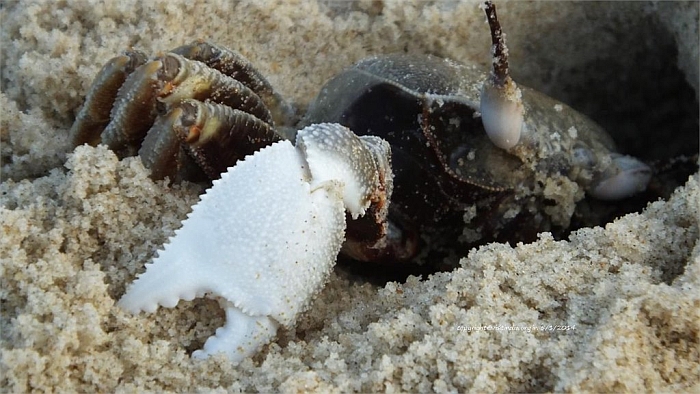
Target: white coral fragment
(263, 239)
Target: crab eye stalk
(501, 101)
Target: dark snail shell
(447, 171)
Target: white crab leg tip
(630, 176)
(242, 336)
(501, 115)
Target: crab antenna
(499, 62)
(501, 102)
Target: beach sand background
(78, 225)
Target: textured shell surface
(446, 165)
(264, 237)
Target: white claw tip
(502, 114)
(629, 176)
(335, 152)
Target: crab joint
(193, 134)
(216, 135)
(501, 101)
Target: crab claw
(623, 178)
(264, 238)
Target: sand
(614, 308)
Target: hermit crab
(448, 157)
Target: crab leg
(264, 238)
(94, 115)
(168, 79)
(162, 151)
(194, 80)
(214, 136)
(217, 135)
(234, 65)
(134, 109)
